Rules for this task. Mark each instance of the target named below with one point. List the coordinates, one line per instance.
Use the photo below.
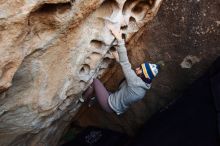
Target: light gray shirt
(130, 90)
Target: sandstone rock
(50, 51)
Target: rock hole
(110, 52)
(124, 36)
(44, 18)
(51, 8)
(106, 60)
(95, 56)
(127, 5)
(96, 44)
(112, 49)
(124, 27)
(84, 69)
(140, 9)
(132, 20)
(137, 9)
(107, 8)
(189, 61)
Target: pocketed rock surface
(50, 50)
(185, 36)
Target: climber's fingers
(116, 32)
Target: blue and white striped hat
(150, 71)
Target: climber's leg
(102, 95)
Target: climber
(132, 89)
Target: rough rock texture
(185, 35)
(50, 49)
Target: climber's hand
(116, 32)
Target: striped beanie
(149, 71)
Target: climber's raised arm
(130, 91)
(130, 75)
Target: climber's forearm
(122, 53)
(125, 64)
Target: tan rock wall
(50, 49)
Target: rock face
(50, 50)
(185, 35)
